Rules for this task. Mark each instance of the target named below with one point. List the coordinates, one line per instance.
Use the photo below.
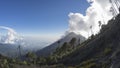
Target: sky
(40, 17)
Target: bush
(91, 65)
(24, 63)
(87, 64)
(107, 51)
(60, 66)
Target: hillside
(102, 50)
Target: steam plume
(99, 10)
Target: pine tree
(91, 29)
(72, 42)
(99, 22)
(19, 50)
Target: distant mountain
(35, 43)
(51, 48)
(11, 50)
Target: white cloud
(97, 11)
(11, 36)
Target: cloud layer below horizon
(11, 37)
(99, 10)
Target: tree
(119, 9)
(99, 22)
(64, 46)
(79, 41)
(19, 50)
(42, 60)
(72, 42)
(58, 42)
(112, 10)
(31, 57)
(91, 29)
(60, 50)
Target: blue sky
(36, 17)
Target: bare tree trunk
(118, 2)
(114, 12)
(113, 7)
(117, 5)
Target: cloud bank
(99, 10)
(11, 37)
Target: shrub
(107, 51)
(24, 63)
(87, 64)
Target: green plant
(107, 51)
(24, 62)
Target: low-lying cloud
(99, 10)
(11, 37)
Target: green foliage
(63, 50)
(5, 64)
(72, 42)
(31, 55)
(24, 62)
(41, 60)
(87, 64)
(92, 36)
(31, 58)
(60, 66)
(13, 61)
(90, 65)
(107, 51)
(58, 42)
(5, 61)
